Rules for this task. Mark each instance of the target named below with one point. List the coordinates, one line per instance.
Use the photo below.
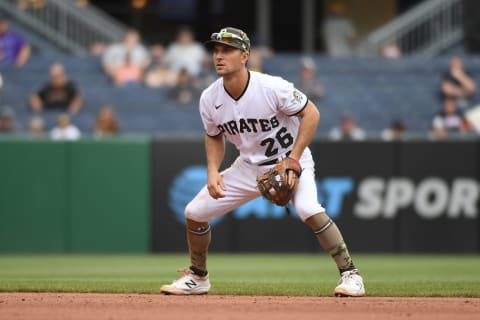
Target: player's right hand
(215, 185)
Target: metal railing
(71, 27)
(426, 29)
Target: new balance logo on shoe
(187, 284)
(190, 284)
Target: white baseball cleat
(350, 285)
(187, 284)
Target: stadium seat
(374, 90)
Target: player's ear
(245, 56)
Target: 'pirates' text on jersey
(261, 123)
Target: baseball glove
(273, 184)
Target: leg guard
(198, 236)
(331, 240)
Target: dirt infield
(138, 306)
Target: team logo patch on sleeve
(297, 96)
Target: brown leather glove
(274, 184)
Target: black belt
(270, 162)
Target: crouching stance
(271, 123)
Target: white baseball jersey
(261, 123)
(263, 126)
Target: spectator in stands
(184, 90)
(396, 131)
(59, 94)
(185, 53)
(158, 74)
(458, 83)
(106, 124)
(14, 49)
(338, 31)
(131, 49)
(64, 129)
(348, 130)
(7, 120)
(308, 83)
(450, 120)
(37, 127)
(128, 73)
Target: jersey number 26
(283, 137)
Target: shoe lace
(348, 274)
(185, 272)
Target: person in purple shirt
(13, 47)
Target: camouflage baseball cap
(232, 37)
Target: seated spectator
(449, 120)
(64, 129)
(308, 84)
(158, 75)
(185, 53)
(458, 83)
(128, 73)
(37, 127)
(59, 94)
(130, 49)
(14, 49)
(184, 90)
(106, 124)
(7, 120)
(348, 130)
(396, 131)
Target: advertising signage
(386, 197)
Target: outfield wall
(128, 195)
(85, 196)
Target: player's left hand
(279, 183)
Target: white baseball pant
(241, 187)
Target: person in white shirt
(185, 53)
(130, 48)
(450, 120)
(348, 130)
(64, 129)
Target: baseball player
(268, 120)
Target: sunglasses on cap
(225, 36)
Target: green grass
(243, 274)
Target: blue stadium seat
(373, 90)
